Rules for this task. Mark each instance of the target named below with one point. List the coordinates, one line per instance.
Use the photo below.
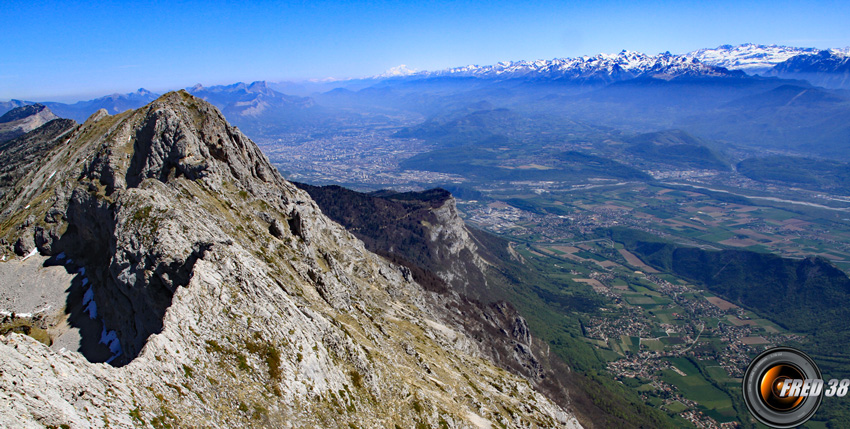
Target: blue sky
(74, 50)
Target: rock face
(226, 298)
(24, 119)
(423, 232)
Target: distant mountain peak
(248, 99)
(398, 71)
(140, 97)
(22, 112)
(23, 119)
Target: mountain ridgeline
(223, 296)
(21, 120)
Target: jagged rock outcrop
(226, 298)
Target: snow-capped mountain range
(756, 59)
(602, 68)
(725, 60)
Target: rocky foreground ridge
(223, 296)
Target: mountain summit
(221, 294)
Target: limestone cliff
(223, 297)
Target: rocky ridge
(234, 302)
(113, 104)
(24, 119)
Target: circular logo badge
(777, 387)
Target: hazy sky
(76, 49)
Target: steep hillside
(499, 291)
(248, 99)
(19, 155)
(224, 296)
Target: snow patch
(6, 313)
(110, 339)
(107, 337)
(92, 309)
(88, 296)
(32, 253)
